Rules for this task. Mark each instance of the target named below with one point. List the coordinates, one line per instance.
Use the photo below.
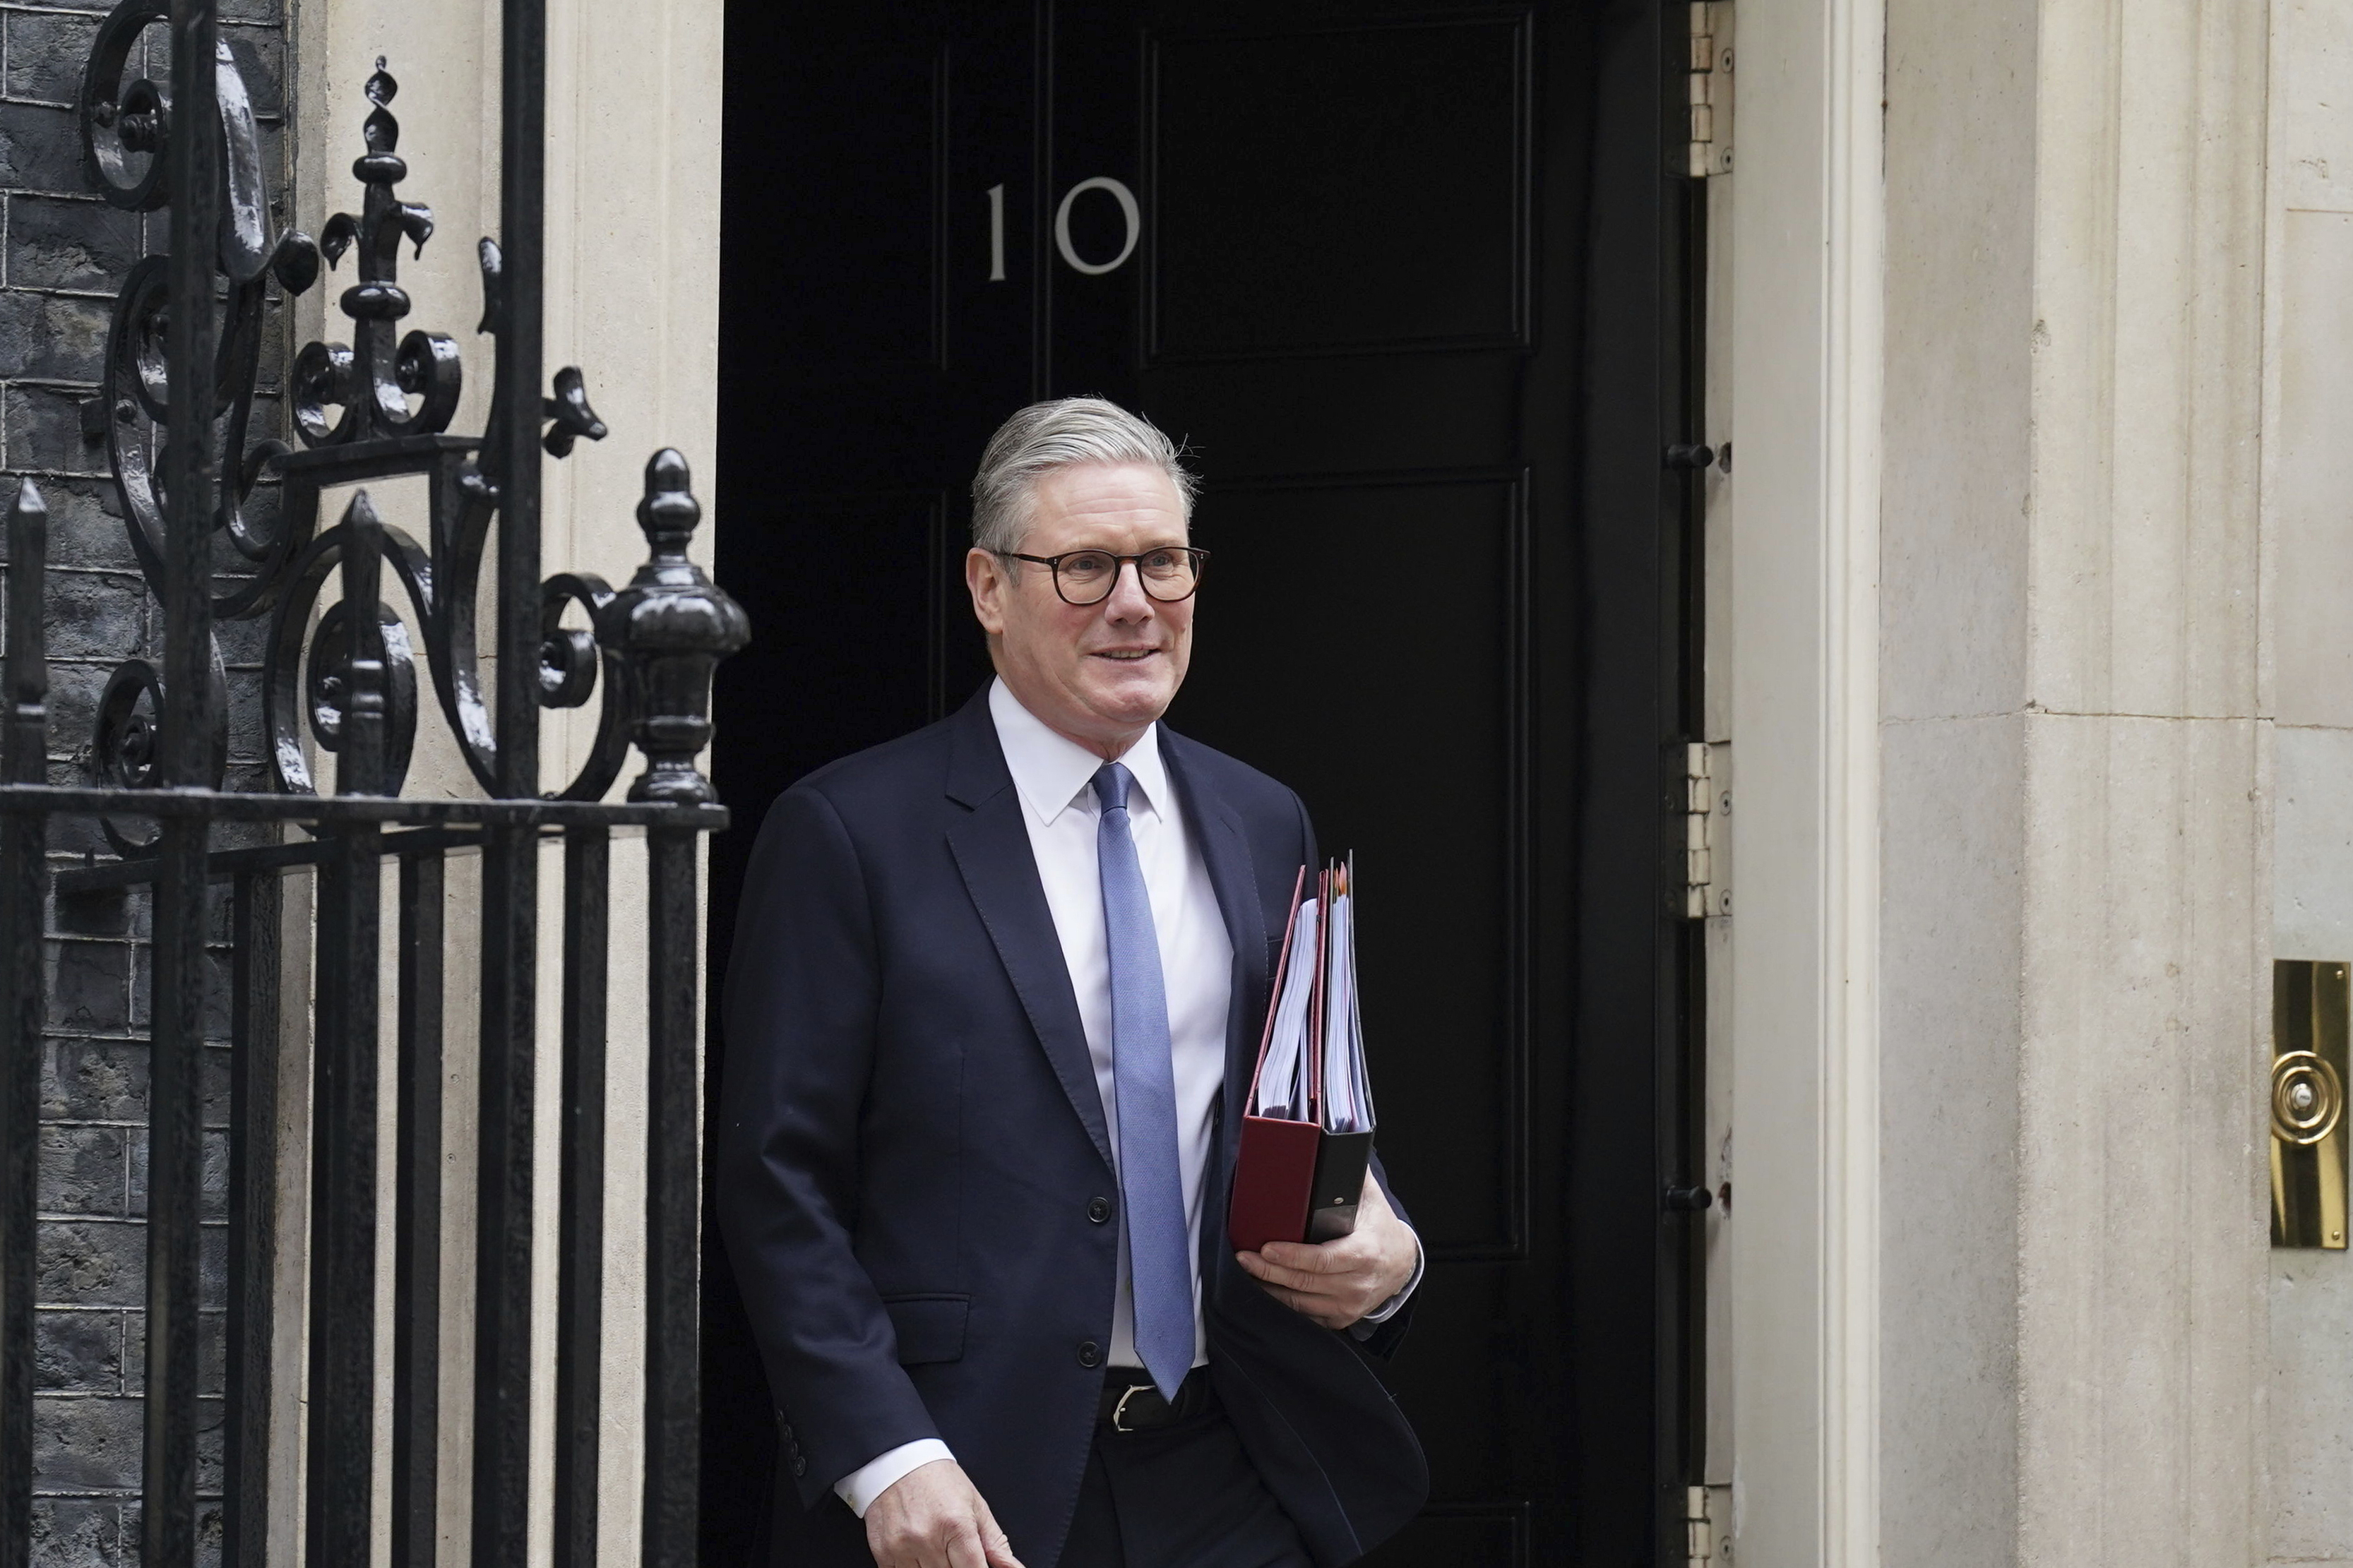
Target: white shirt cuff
(1388, 1309)
(869, 1480)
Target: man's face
(1096, 673)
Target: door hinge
(1706, 803)
(1699, 1532)
(1707, 1538)
(1710, 88)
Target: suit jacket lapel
(1217, 827)
(992, 852)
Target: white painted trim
(1809, 219)
(1854, 289)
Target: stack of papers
(1311, 1066)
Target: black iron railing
(180, 370)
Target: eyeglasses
(1082, 577)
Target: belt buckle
(1119, 1411)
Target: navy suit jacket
(911, 1136)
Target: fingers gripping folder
(1307, 1132)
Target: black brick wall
(63, 254)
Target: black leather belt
(1130, 1403)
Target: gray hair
(1061, 434)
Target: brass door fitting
(2309, 1022)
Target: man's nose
(1128, 601)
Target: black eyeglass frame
(1118, 564)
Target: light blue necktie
(1152, 1189)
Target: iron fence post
(510, 856)
(175, 1148)
(22, 897)
(671, 626)
(673, 1207)
(416, 1220)
(256, 907)
(580, 1224)
(342, 1295)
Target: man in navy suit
(991, 1014)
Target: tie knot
(1112, 780)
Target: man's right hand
(931, 1517)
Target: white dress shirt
(1054, 777)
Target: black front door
(1404, 280)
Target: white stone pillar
(632, 247)
(2075, 984)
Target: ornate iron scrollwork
(373, 380)
(129, 729)
(127, 132)
(379, 407)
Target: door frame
(1805, 561)
(1808, 241)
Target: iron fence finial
(671, 626)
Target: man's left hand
(1335, 1283)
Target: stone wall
(2076, 753)
(64, 255)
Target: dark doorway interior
(1409, 281)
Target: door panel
(870, 296)
(1321, 225)
(1404, 280)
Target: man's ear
(985, 577)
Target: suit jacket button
(1090, 1353)
(1099, 1209)
(800, 1466)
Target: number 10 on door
(1129, 212)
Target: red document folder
(1295, 1179)
(1273, 1181)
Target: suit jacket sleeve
(803, 992)
(1386, 1336)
